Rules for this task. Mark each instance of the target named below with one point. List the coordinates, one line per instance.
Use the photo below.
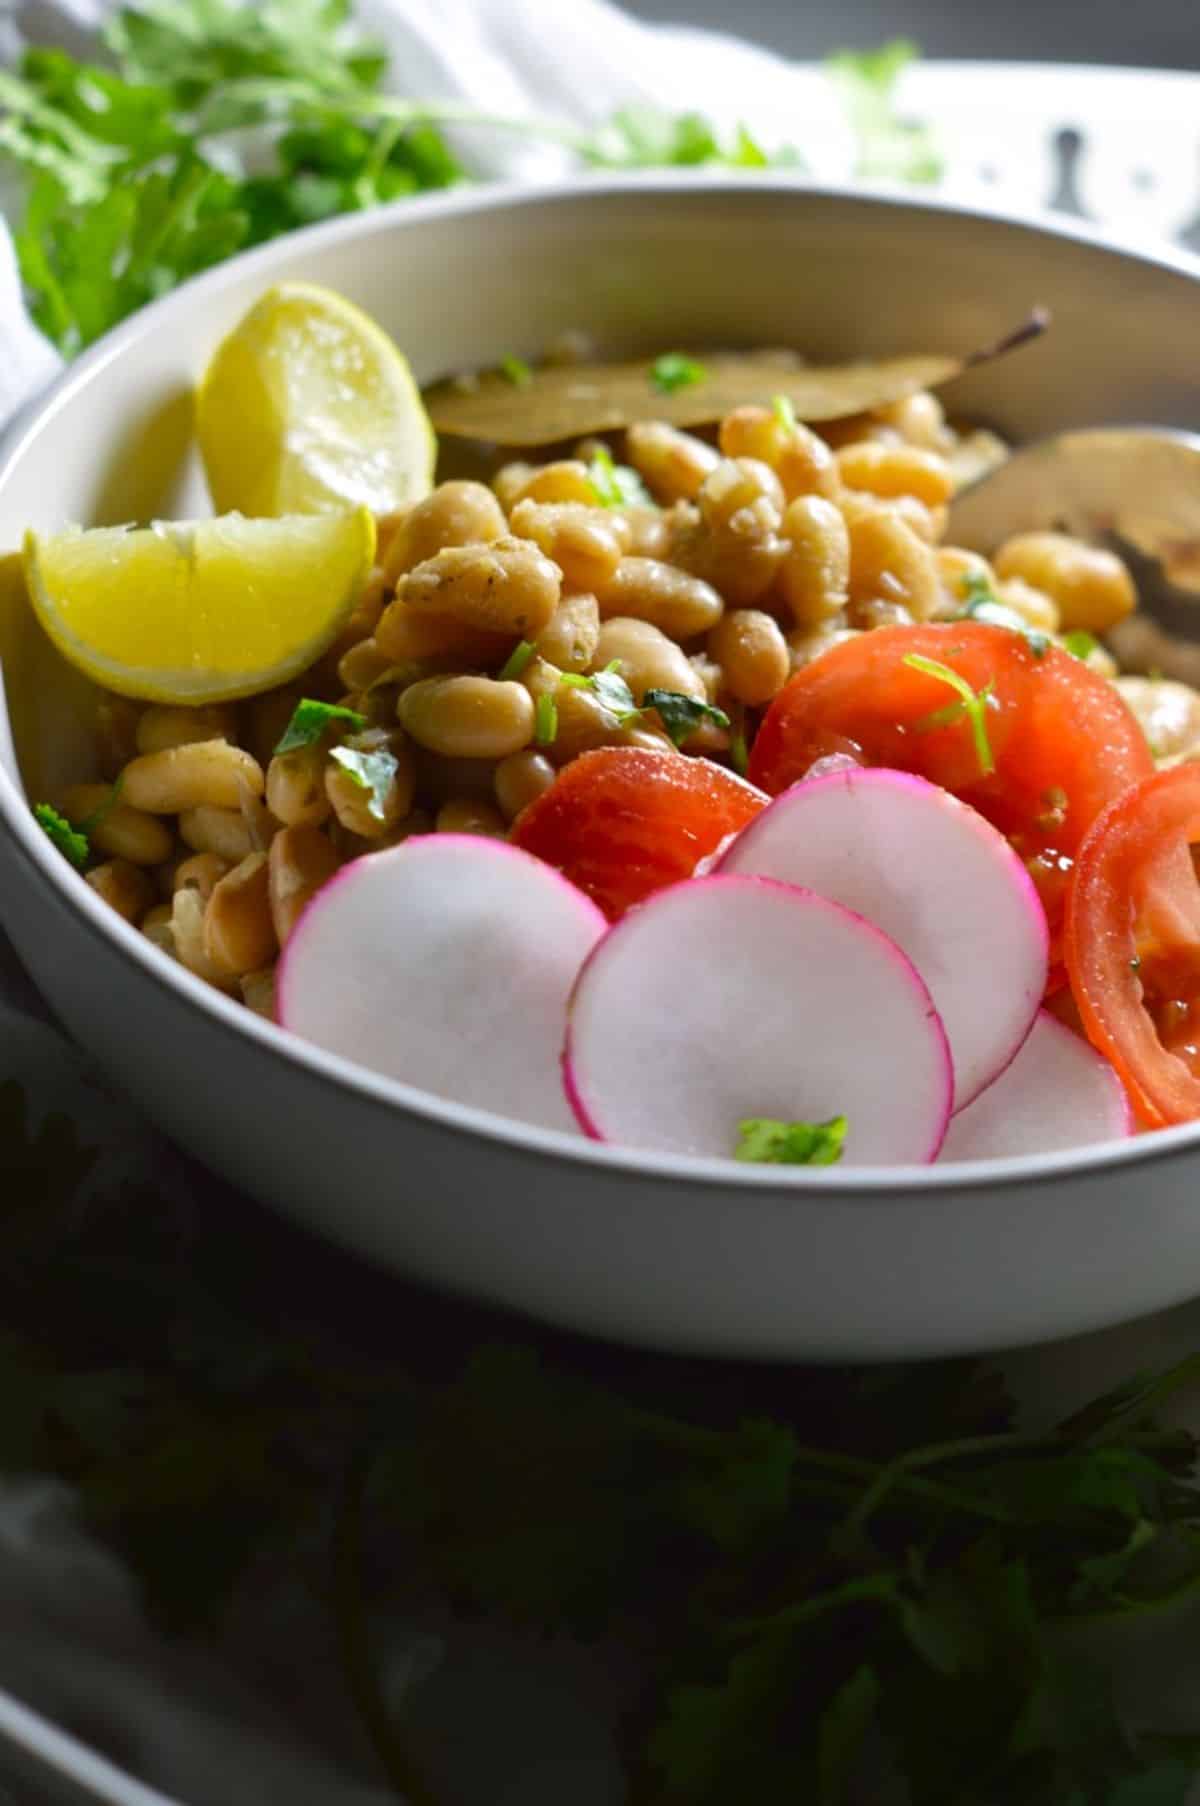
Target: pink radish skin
(935, 877)
(731, 997)
(446, 963)
(1058, 1093)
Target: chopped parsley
(310, 720)
(767, 1142)
(674, 370)
(1080, 643)
(983, 604)
(516, 661)
(616, 485)
(516, 371)
(102, 811)
(739, 752)
(681, 715)
(71, 842)
(973, 706)
(784, 410)
(609, 688)
(372, 771)
(545, 721)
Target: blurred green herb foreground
(837, 1585)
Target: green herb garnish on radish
(844, 1026)
(766, 1142)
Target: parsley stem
(1184, 1373)
(354, 1635)
(1136, 1608)
(693, 1438)
(258, 91)
(938, 1452)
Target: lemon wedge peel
(307, 405)
(199, 611)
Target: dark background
(1142, 33)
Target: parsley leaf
(1080, 643)
(516, 661)
(616, 485)
(973, 706)
(766, 1141)
(609, 687)
(644, 137)
(373, 771)
(681, 715)
(674, 370)
(516, 371)
(889, 148)
(784, 410)
(71, 842)
(311, 720)
(545, 721)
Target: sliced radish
(938, 879)
(725, 998)
(446, 962)
(1058, 1093)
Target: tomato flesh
(1133, 943)
(623, 822)
(1062, 740)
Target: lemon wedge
(307, 406)
(199, 611)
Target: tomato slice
(1133, 943)
(624, 821)
(1062, 740)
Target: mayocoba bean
(185, 777)
(468, 717)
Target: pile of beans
(764, 545)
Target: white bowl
(678, 1253)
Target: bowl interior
(460, 280)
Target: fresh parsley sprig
(136, 179)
